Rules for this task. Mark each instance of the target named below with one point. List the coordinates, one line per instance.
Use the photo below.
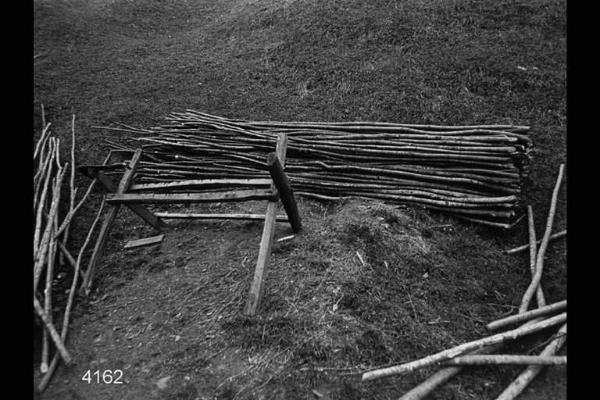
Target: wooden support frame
(133, 195)
(257, 288)
(199, 184)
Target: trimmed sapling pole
(72, 188)
(541, 300)
(505, 359)
(557, 235)
(529, 374)
(48, 294)
(40, 255)
(539, 266)
(522, 317)
(286, 193)
(52, 331)
(65, 326)
(464, 348)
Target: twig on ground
(501, 359)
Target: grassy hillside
(414, 61)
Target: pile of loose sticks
(50, 238)
(479, 352)
(474, 172)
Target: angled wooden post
(108, 220)
(286, 194)
(264, 253)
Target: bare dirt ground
(170, 315)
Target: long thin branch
(72, 213)
(505, 359)
(53, 334)
(46, 379)
(525, 316)
(48, 295)
(539, 267)
(72, 188)
(42, 201)
(43, 248)
(541, 300)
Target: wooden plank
(199, 184)
(129, 172)
(107, 222)
(144, 242)
(241, 217)
(286, 193)
(256, 289)
(141, 211)
(153, 198)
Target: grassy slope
(414, 61)
(444, 62)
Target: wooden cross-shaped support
(275, 163)
(113, 209)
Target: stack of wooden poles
(474, 172)
(53, 216)
(481, 352)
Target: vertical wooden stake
(256, 289)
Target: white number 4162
(106, 376)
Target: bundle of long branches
(50, 237)
(474, 172)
